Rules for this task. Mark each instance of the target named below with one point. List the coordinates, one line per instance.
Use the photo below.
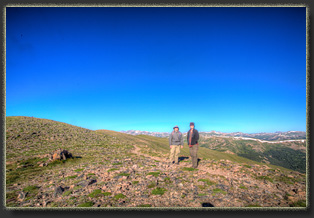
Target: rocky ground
(140, 181)
(122, 175)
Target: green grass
(202, 187)
(123, 174)
(112, 169)
(117, 163)
(86, 204)
(91, 174)
(135, 182)
(156, 174)
(151, 185)
(253, 205)
(242, 187)
(207, 181)
(144, 205)
(286, 179)
(32, 191)
(118, 196)
(77, 187)
(189, 169)
(107, 193)
(71, 177)
(167, 180)
(96, 193)
(30, 188)
(202, 194)
(159, 191)
(300, 203)
(218, 190)
(79, 170)
(67, 193)
(265, 178)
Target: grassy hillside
(112, 169)
(290, 155)
(159, 147)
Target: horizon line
(154, 131)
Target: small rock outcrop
(61, 154)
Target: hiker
(175, 141)
(192, 138)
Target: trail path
(202, 168)
(137, 151)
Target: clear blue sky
(226, 69)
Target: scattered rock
(61, 154)
(21, 196)
(58, 191)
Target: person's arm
(197, 136)
(187, 137)
(170, 139)
(181, 140)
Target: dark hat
(176, 127)
(192, 124)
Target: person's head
(192, 125)
(176, 128)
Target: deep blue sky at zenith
(226, 69)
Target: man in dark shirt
(192, 138)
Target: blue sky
(226, 69)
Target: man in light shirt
(175, 142)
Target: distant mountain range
(139, 132)
(286, 149)
(277, 136)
